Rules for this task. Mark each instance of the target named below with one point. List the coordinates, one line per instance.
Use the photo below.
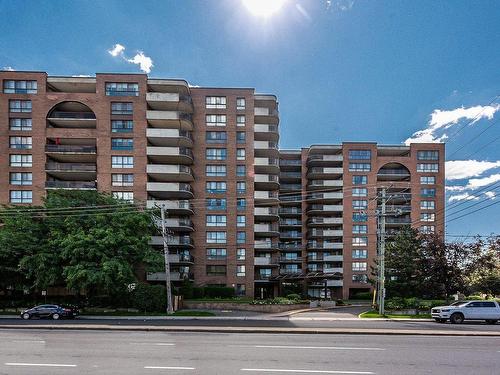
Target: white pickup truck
(467, 310)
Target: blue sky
(342, 69)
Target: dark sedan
(50, 311)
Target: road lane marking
(309, 371)
(313, 347)
(153, 343)
(169, 368)
(30, 341)
(38, 364)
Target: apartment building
(242, 213)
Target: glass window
(124, 195)
(216, 120)
(241, 237)
(122, 126)
(360, 254)
(21, 160)
(122, 179)
(122, 144)
(240, 270)
(216, 137)
(20, 106)
(360, 154)
(216, 270)
(122, 108)
(21, 178)
(122, 162)
(427, 180)
(359, 229)
(359, 266)
(427, 167)
(241, 187)
(360, 278)
(241, 203)
(241, 170)
(216, 254)
(240, 290)
(359, 192)
(359, 217)
(240, 254)
(427, 192)
(427, 229)
(21, 196)
(427, 216)
(241, 220)
(359, 180)
(216, 204)
(216, 220)
(122, 89)
(218, 102)
(19, 87)
(216, 187)
(360, 167)
(359, 204)
(216, 237)
(240, 103)
(240, 154)
(428, 155)
(427, 205)
(360, 241)
(23, 143)
(215, 170)
(20, 124)
(216, 153)
(240, 120)
(240, 137)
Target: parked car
(50, 311)
(488, 311)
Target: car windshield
(458, 303)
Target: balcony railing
(71, 148)
(72, 115)
(290, 260)
(70, 185)
(76, 167)
(401, 172)
(290, 162)
(290, 210)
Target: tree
(483, 273)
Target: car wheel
(55, 316)
(457, 318)
(26, 316)
(491, 321)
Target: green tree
(483, 273)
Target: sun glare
(263, 8)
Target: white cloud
(81, 75)
(476, 183)
(490, 194)
(460, 169)
(455, 188)
(341, 5)
(117, 49)
(462, 197)
(145, 63)
(9, 68)
(443, 120)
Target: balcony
(291, 260)
(168, 172)
(169, 101)
(291, 235)
(325, 197)
(166, 190)
(321, 160)
(290, 246)
(290, 176)
(290, 271)
(174, 276)
(334, 283)
(290, 222)
(333, 258)
(266, 165)
(266, 132)
(169, 137)
(66, 119)
(290, 211)
(269, 230)
(173, 241)
(180, 259)
(324, 172)
(266, 148)
(266, 182)
(169, 119)
(290, 187)
(396, 221)
(321, 221)
(71, 171)
(325, 233)
(173, 207)
(71, 185)
(264, 115)
(72, 149)
(324, 208)
(265, 261)
(179, 224)
(170, 155)
(266, 213)
(327, 245)
(393, 172)
(321, 184)
(333, 270)
(266, 197)
(265, 244)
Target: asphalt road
(103, 352)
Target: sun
(263, 8)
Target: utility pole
(170, 306)
(381, 280)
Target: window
(216, 153)
(360, 241)
(427, 155)
(215, 120)
(122, 126)
(23, 143)
(122, 89)
(360, 254)
(427, 167)
(121, 179)
(121, 108)
(359, 266)
(359, 229)
(359, 217)
(359, 167)
(241, 203)
(20, 106)
(19, 87)
(216, 237)
(216, 270)
(216, 137)
(241, 187)
(21, 178)
(122, 144)
(241, 170)
(428, 193)
(240, 270)
(241, 237)
(240, 120)
(122, 162)
(360, 154)
(240, 254)
(240, 290)
(240, 137)
(360, 278)
(240, 154)
(216, 187)
(21, 196)
(427, 180)
(359, 192)
(124, 195)
(427, 216)
(21, 161)
(359, 180)
(216, 204)
(218, 102)
(427, 229)
(240, 103)
(216, 254)
(215, 170)
(216, 220)
(20, 124)
(427, 205)
(359, 204)
(265, 273)
(241, 220)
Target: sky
(343, 70)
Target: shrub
(152, 298)
(293, 296)
(219, 292)
(187, 289)
(198, 292)
(473, 298)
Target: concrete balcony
(266, 165)
(264, 115)
(265, 244)
(334, 283)
(292, 235)
(169, 101)
(266, 197)
(290, 223)
(169, 119)
(183, 207)
(290, 271)
(324, 245)
(265, 261)
(72, 153)
(333, 270)
(170, 155)
(72, 171)
(324, 221)
(266, 182)
(168, 172)
(67, 119)
(321, 184)
(325, 233)
(266, 213)
(179, 224)
(266, 132)
(174, 276)
(290, 211)
(320, 160)
(291, 260)
(333, 258)
(332, 197)
(169, 137)
(71, 185)
(324, 208)
(324, 172)
(266, 148)
(174, 241)
(268, 230)
(168, 190)
(180, 259)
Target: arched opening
(393, 172)
(71, 114)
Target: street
(82, 352)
